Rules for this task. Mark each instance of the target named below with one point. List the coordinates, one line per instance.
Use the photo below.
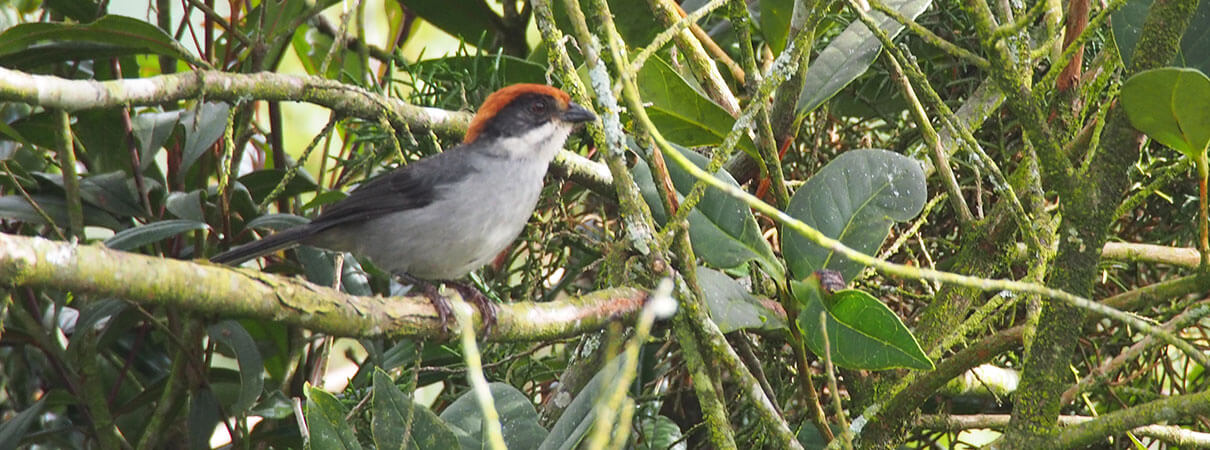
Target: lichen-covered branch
(1171, 434)
(206, 288)
(76, 95)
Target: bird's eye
(538, 108)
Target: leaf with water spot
(854, 199)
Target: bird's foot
(444, 310)
(486, 307)
(439, 303)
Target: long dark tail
(274, 242)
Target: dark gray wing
(409, 187)
(413, 186)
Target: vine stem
(1203, 171)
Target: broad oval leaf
(251, 367)
(862, 332)
(1194, 53)
(189, 205)
(1172, 105)
(721, 228)
(682, 114)
(731, 306)
(326, 422)
(849, 55)
(854, 199)
(518, 418)
(132, 238)
(400, 422)
(32, 44)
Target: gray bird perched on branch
(443, 216)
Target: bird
(437, 219)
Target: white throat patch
(539, 143)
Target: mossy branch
(343, 99)
(205, 288)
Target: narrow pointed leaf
(31, 43)
(849, 55)
(132, 238)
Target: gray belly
(448, 238)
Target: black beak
(576, 114)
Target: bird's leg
(430, 290)
(486, 308)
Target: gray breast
(471, 222)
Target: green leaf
(313, 48)
(854, 199)
(510, 69)
(278, 221)
(467, 21)
(849, 55)
(400, 422)
(659, 433)
(721, 228)
(775, 22)
(1171, 105)
(231, 334)
(580, 414)
(273, 405)
(1194, 53)
(731, 305)
(133, 238)
(326, 421)
(187, 206)
(862, 332)
(152, 130)
(518, 418)
(32, 44)
(15, 207)
(203, 417)
(13, 429)
(204, 125)
(682, 114)
(634, 20)
(114, 192)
